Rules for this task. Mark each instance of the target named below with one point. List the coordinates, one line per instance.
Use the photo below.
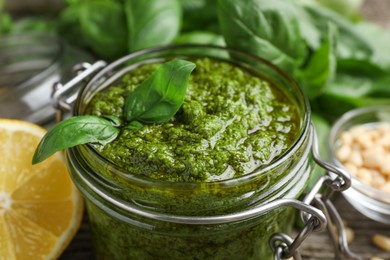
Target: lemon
(40, 208)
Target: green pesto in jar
(231, 122)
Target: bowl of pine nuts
(359, 142)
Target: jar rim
(303, 131)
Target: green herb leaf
(321, 67)
(351, 44)
(378, 38)
(75, 131)
(103, 25)
(277, 30)
(134, 125)
(151, 23)
(159, 97)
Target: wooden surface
(318, 245)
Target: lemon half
(40, 208)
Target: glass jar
(134, 217)
(30, 64)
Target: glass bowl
(370, 201)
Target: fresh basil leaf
(348, 91)
(151, 23)
(74, 131)
(69, 26)
(350, 85)
(350, 9)
(333, 105)
(378, 38)
(134, 125)
(360, 86)
(351, 44)
(103, 24)
(160, 96)
(278, 30)
(321, 67)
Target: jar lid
(29, 66)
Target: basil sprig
(159, 97)
(74, 131)
(156, 100)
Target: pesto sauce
(231, 122)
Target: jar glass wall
(122, 206)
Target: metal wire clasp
(63, 96)
(336, 180)
(340, 183)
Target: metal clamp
(63, 96)
(340, 183)
(284, 247)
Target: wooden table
(318, 246)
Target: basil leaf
(103, 24)
(159, 97)
(151, 22)
(349, 9)
(378, 38)
(351, 44)
(321, 67)
(278, 30)
(74, 131)
(134, 125)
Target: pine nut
(382, 242)
(365, 153)
(377, 179)
(364, 175)
(343, 153)
(346, 138)
(349, 234)
(376, 258)
(385, 187)
(352, 168)
(373, 157)
(365, 141)
(356, 158)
